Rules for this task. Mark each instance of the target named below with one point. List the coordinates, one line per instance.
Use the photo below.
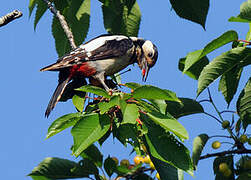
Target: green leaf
(39, 178)
(32, 4)
(199, 143)
(193, 10)
(57, 168)
(121, 17)
(63, 122)
(248, 36)
(132, 85)
(152, 92)
(77, 15)
(78, 102)
(169, 123)
(41, 9)
(163, 146)
(167, 171)
(95, 90)
(126, 133)
(160, 104)
(92, 153)
(110, 166)
(88, 130)
(195, 70)
(229, 83)
(88, 167)
(105, 106)
(223, 159)
(244, 16)
(196, 56)
(186, 107)
(236, 57)
(130, 114)
(243, 105)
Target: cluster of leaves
(140, 118)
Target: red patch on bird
(143, 72)
(83, 69)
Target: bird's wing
(102, 47)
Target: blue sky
(25, 91)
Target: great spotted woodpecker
(102, 56)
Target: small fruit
(225, 124)
(138, 159)
(147, 159)
(247, 164)
(131, 166)
(157, 176)
(223, 167)
(124, 162)
(227, 173)
(249, 141)
(243, 138)
(152, 165)
(216, 145)
(115, 160)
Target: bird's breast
(84, 69)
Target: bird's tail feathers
(56, 96)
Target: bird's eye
(150, 54)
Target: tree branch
(10, 17)
(62, 22)
(223, 153)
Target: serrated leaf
(199, 143)
(152, 92)
(186, 107)
(110, 166)
(92, 153)
(229, 83)
(62, 123)
(222, 64)
(41, 9)
(88, 130)
(195, 70)
(163, 146)
(126, 133)
(244, 16)
(121, 17)
(196, 56)
(78, 102)
(193, 10)
(223, 159)
(95, 90)
(169, 123)
(167, 171)
(57, 168)
(132, 85)
(243, 105)
(131, 113)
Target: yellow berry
(124, 162)
(147, 159)
(152, 165)
(225, 124)
(243, 138)
(223, 167)
(157, 176)
(216, 145)
(227, 173)
(115, 160)
(138, 159)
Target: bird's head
(148, 58)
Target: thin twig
(227, 111)
(212, 116)
(10, 17)
(62, 22)
(220, 136)
(204, 100)
(223, 153)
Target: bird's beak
(145, 69)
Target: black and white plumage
(100, 57)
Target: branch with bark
(10, 17)
(223, 153)
(62, 22)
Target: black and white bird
(102, 56)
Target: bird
(100, 57)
